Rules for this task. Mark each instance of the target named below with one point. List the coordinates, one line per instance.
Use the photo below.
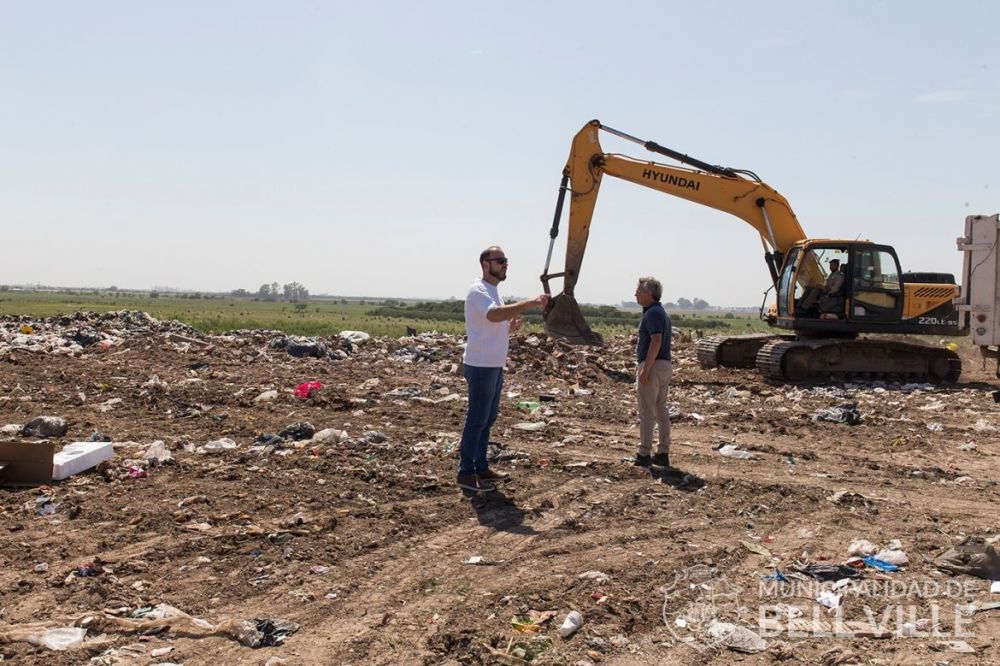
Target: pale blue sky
(374, 150)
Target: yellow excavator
(823, 316)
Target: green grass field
(324, 316)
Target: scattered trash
(530, 425)
(475, 559)
(533, 622)
(265, 632)
(267, 396)
(830, 572)
(956, 646)
(218, 446)
(328, 436)
(852, 499)
(355, 337)
(754, 547)
(862, 547)
(158, 453)
(847, 413)
(881, 565)
(307, 390)
(46, 426)
(733, 451)
(893, 556)
(60, 638)
(298, 431)
(828, 599)
(78, 457)
(971, 556)
(571, 624)
(136, 472)
(596, 576)
(528, 405)
(737, 638)
(85, 570)
(981, 606)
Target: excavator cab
(868, 291)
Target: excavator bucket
(564, 320)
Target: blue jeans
(484, 405)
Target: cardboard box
(26, 463)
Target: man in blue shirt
(653, 373)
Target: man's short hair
(485, 253)
(652, 287)
(835, 261)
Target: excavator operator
(824, 298)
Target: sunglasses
(500, 260)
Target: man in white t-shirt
(488, 325)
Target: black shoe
(661, 460)
(642, 461)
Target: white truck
(979, 302)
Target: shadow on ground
(677, 478)
(496, 510)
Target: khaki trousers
(653, 407)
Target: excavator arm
(739, 193)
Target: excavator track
(865, 359)
(732, 351)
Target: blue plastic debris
(881, 565)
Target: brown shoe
(472, 483)
(490, 475)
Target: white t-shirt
(486, 341)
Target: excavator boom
(729, 190)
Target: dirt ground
(361, 538)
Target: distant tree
(239, 293)
(4, 287)
(295, 292)
(684, 304)
(112, 288)
(267, 292)
(154, 294)
(700, 304)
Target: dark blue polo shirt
(654, 320)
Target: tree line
(292, 292)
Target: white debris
(218, 446)
(267, 396)
(736, 637)
(734, 451)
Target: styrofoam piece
(80, 456)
